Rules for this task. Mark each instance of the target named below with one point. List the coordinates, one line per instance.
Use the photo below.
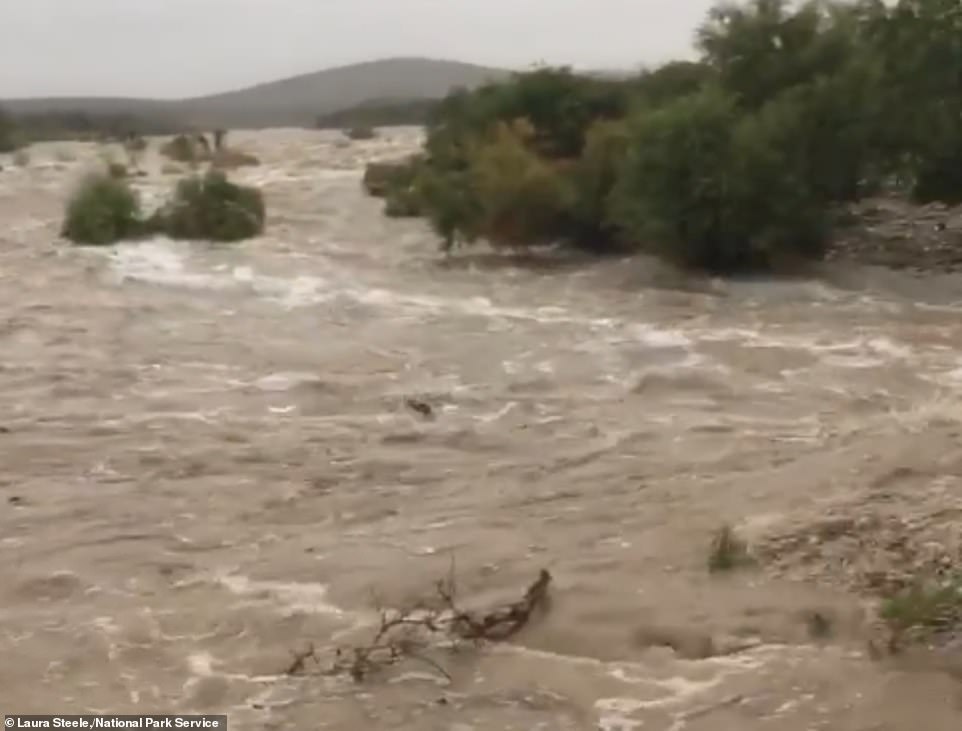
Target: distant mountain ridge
(295, 101)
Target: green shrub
(380, 178)
(403, 203)
(212, 208)
(938, 175)
(728, 552)
(593, 178)
(925, 608)
(226, 158)
(103, 210)
(522, 197)
(117, 170)
(398, 183)
(186, 149)
(450, 202)
(710, 187)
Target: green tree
(710, 187)
(763, 47)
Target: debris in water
(421, 407)
(728, 551)
(407, 634)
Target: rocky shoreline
(897, 234)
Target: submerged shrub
(117, 170)
(213, 208)
(226, 158)
(728, 551)
(103, 210)
(187, 149)
(925, 608)
(361, 132)
(403, 202)
(380, 178)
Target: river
(208, 463)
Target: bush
(938, 176)
(522, 198)
(450, 203)
(593, 178)
(213, 208)
(924, 610)
(398, 183)
(361, 132)
(380, 178)
(103, 210)
(403, 203)
(228, 159)
(709, 187)
(187, 149)
(117, 170)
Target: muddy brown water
(207, 463)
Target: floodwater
(208, 464)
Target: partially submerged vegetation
(924, 610)
(105, 209)
(360, 133)
(213, 208)
(195, 149)
(735, 162)
(398, 184)
(728, 552)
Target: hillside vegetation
(735, 162)
(381, 113)
(294, 102)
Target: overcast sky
(174, 48)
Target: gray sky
(173, 48)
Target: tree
(710, 187)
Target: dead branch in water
(407, 634)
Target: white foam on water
(886, 346)
(284, 381)
(201, 664)
(162, 261)
(166, 262)
(616, 721)
(310, 597)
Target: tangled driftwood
(407, 634)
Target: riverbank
(897, 234)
